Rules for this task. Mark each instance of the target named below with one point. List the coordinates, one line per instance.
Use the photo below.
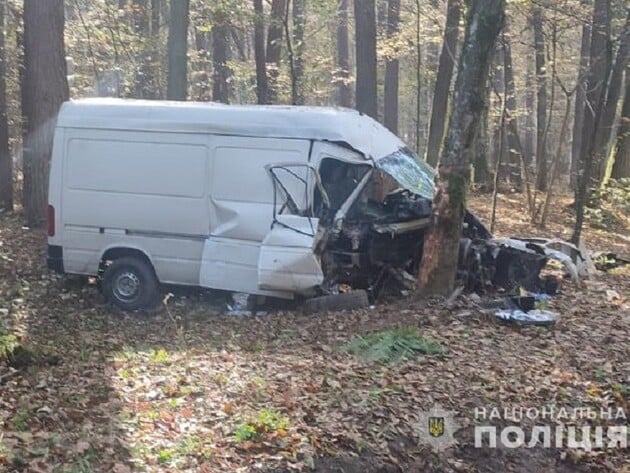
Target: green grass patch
(266, 422)
(388, 346)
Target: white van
(267, 200)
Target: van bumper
(55, 258)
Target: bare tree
(44, 89)
(259, 52)
(274, 47)
(621, 166)
(177, 50)
(366, 82)
(297, 52)
(220, 53)
(6, 161)
(541, 102)
(390, 93)
(441, 244)
(443, 81)
(580, 97)
(342, 75)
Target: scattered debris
(533, 317)
(605, 261)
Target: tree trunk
(530, 124)
(156, 62)
(441, 243)
(274, 48)
(604, 133)
(177, 50)
(541, 102)
(342, 76)
(6, 160)
(513, 161)
(259, 52)
(220, 52)
(580, 97)
(366, 88)
(390, 93)
(621, 166)
(595, 96)
(44, 89)
(297, 67)
(443, 81)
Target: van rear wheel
(130, 284)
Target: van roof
(319, 123)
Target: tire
(130, 284)
(335, 302)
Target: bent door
(287, 260)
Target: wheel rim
(126, 286)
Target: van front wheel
(130, 284)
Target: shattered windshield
(411, 172)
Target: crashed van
(267, 200)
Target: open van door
(287, 260)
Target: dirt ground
(177, 390)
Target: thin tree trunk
(259, 52)
(530, 122)
(604, 134)
(366, 82)
(418, 74)
(541, 103)
(513, 163)
(44, 89)
(443, 81)
(297, 67)
(621, 166)
(220, 53)
(6, 160)
(274, 48)
(390, 100)
(177, 50)
(342, 75)
(441, 243)
(580, 97)
(595, 96)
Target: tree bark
(220, 53)
(541, 102)
(392, 67)
(580, 97)
(366, 79)
(595, 97)
(297, 67)
(6, 160)
(443, 81)
(177, 50)
(259, 52)
(274, 48)
(529, 142)
(604, 134)
(621, 166)
(513, 161)
(44, 89)
(441, 243)
(342, 76)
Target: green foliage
(266, 422)
(393, 345)
(8, 344)
(608, 200)
(160, 357)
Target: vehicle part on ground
(606, 260)
(532, 317)
(130, 283)
(335, 302)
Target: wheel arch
(120, 251)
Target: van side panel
(143, 190)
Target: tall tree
(366, 79)
(177, 50)
(541, 102)
(342, 75)
(443, 81)
(514, 150)
(390, 93)
(595, 96)
(6, 161)
(604, 133)
(220, 52)
(44, 89)
(580, 97)
(621, 166)
(441, 244)
(275, 34)
(259, 52)
(297, 52)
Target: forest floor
(191, 389)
